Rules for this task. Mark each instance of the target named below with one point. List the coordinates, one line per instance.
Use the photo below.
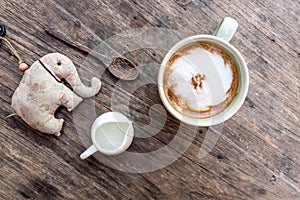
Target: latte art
(200, 80)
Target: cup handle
(226, 29)
(91, 150)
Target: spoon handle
(75, 44)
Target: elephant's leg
(69, 99)
(52, 126)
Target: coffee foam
(200, 80)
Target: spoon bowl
(122, 68)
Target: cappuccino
(200, 80)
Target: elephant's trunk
(81, 89)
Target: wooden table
(257, 155)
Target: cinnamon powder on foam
(196, 82)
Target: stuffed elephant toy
(42, 91)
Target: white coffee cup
(221, 38)
(111, 133)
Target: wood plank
(274, 84)
(257, 156)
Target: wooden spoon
(120, 67)
(124, 69)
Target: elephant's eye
(58, 62)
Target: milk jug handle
(90, 151)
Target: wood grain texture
(257, 155)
